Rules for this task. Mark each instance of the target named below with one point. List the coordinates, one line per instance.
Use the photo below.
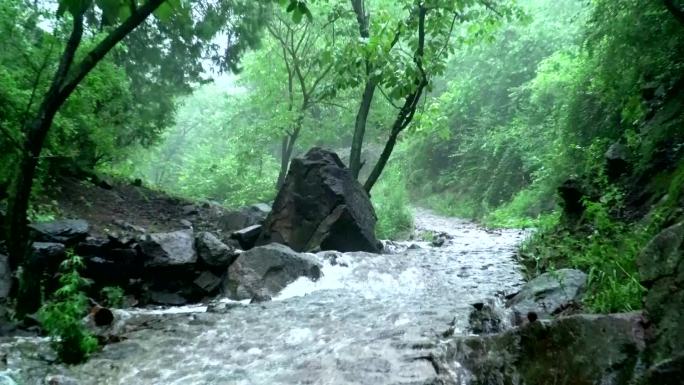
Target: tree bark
(64, 82)
(360, 128)
(287, 149)
(363, 21)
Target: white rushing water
(371, 319)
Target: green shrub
(391, 202)
(605, 249)
(61, 317)
(112, 296)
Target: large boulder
(321, 205)
(67, 231)
(548, 294)
(169, 249)
(5, 277)
(579, 350)
(661, 268)
(266, 270)
(214, 252)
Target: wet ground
(372, 319)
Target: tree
(406, 52)
(307, 53)
(69, 74)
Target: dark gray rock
(169, 249)
(580, 350)
(572, 195)
(214, 252)
(244, 217)
(48, 253)
(321, 205)
(666, 372)
(68, 231)
(5, 277)
(617, 161)
(661, 268)
(548, 294)
(260, 297)
(247, 237)
(208, 282)
(166, 298)
(266, 270)
(484, 319)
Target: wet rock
(166, 298)
(572, 194)
(266, 270)
(129, 227)
(169, 249)
(245, 217)
(260, 297)
(667, 372)
(102, 316)
(189, 210)
(548, 294)
(109, 332)
(247, 237)
(208, 282)
(212, 251)
(186, 224)
(321, 206)
(580, 349)
(58, 379)
(67, 231)
(484, 319)
(5, 277)
(113, 266)
(617, 161)
(661, 268)
(221, 307)
(6, 380)
(48, 254)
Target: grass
(391, 201)
(604, 248)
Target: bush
(61, 317)
(391, 202)
(112, 296)
(605, 248)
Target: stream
(371, 319)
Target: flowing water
(371, 319)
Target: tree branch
(98, 53)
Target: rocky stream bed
(370, 319)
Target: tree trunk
(360, 128)
(287, 149)
(363, 21)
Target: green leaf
(297, 15)
(164, 12)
